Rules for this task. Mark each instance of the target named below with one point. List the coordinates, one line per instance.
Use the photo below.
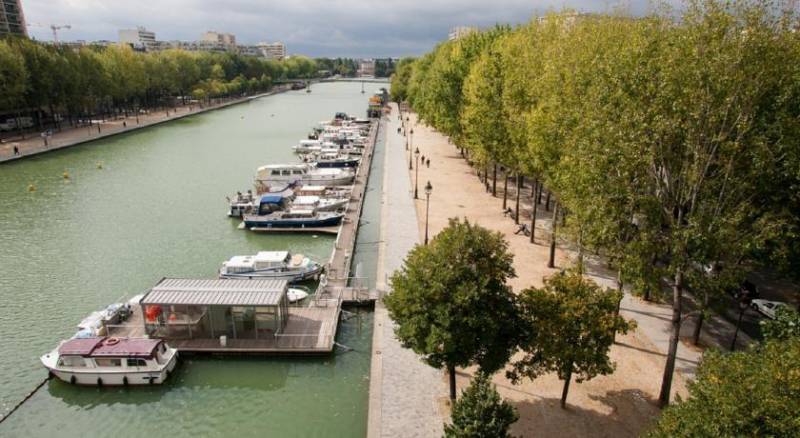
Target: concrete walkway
(404, 392)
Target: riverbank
(620, 404)
(35, 145)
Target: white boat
(275, 175)
(108, 361)
(278, 265)
(295, 294)
(306, 146)
(319, 203)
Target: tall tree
(451, 302)
(569, 328)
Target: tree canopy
(451, 302)
(480, 412)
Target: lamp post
(428, 190)
(743, 304)
(416, 178)
(410, 146)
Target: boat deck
(306, 230)
(309, 330)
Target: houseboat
(111, 361)
(274, 175)
(294, 218)
(278, 265)
(319, 203)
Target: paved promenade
(34, 144)
(404, 392)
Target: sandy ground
(621, 404)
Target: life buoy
(99, 382)
(73, 379)
(125, 380)
(112, 341)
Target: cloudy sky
(360, 28)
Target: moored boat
(100, 361)
(294, 218)
(278, 265)
(275, 175)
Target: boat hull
(290, 276)
(338, 164)
(256, 221)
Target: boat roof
(301, 211)
(98, 347)
(306, 199)
(272, 256)
(273, 198)
(312, 188)
(283, 166)
(216, 292)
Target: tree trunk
(451, 370)
(505, 190)
(537, 186)
(547, 202)
(698, 327)
(621, 290)
(566, 388)
(552, 262)
(494, 180)
(539, 197)
(669, 369)
(519, 189)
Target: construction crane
(54, 27)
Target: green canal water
(150, 204)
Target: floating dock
(308, 329)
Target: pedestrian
(124, 124)
(16, 150)
(398, 129)
(423, 158)
(428, 163)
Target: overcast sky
(362, 28)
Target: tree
(480, 412)
(451, 302)
(13, 77)
(750, 393)
(570, 325)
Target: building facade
(228, 39)
(12, 20)
(366, 68)
(460, 32)
(276, 50)
(139, 38)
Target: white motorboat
(278, 265)
(320, 204)
(295, 294)
(275, 175)
(100, 361)
(306, 146)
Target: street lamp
(416, 178)
(743, 305)
(428, 190)
(409, 141)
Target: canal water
(145, 205)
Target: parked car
(767, 307)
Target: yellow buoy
(66, 175)
(99, 165)
(31, 188)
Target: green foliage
(450, 300)
(786, 325)
(751, 393)
(480, 412)
(568, 328)
(115, 78)
(400, 79)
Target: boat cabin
(103, 352)
(218, 309)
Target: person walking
(16, 150)
(428, 163)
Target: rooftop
(101, 347)
(216, 292)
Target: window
(71, 361)
(276, 172)
(297, 172)
(106, 362)
(286, 172)
(137, 363)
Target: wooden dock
(311, 328)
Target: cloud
(359, 28)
